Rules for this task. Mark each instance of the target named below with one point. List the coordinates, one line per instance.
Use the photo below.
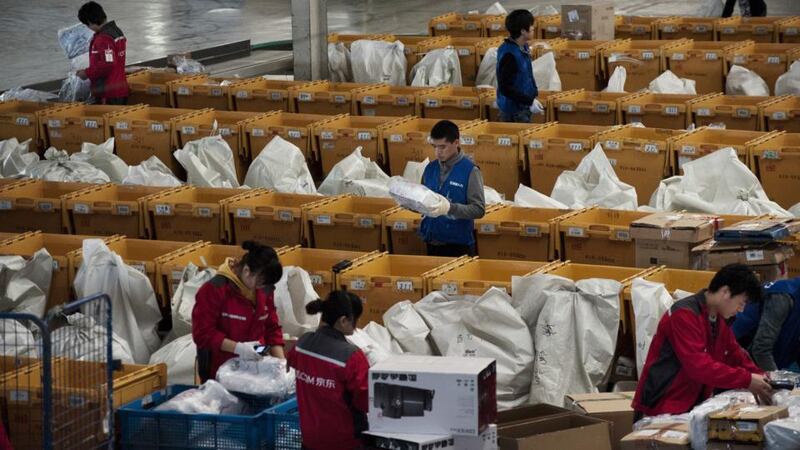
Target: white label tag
(671, 110)
(700, 29)
(779, 115)
(668, 29)
(770, 154)
(634, 109)
(601, 107)
(441, 26)
(742, 112)
(773, 60)
(572, 15)
(535, 144)
(204, 212)
(688, 150)
(552, 29)
(89, 123)
(612, 145)
(304, 96)
(582, 55)
(746, 427)
(790, 31)
(467, 140)
(338, 98)
(54, 123)
(739, 59)
(324, 220)
(368, 100)
(504, 141)
(576, 146)
(450, 288)
(242, 94)
(5, 205)
(400, 226)
(487, 228)
(623, 235)
(712, 56)
(121, 126)
(45, 206)
(154, 90)
(728, 30)
(366, 222)
(183, 90)
(760, 30)
(81, 208)
(396, 138)
(187, 130)
(704, 112)
(109, 53)
(358, 284)
(470, 26)
(316, 280)
(295, 134)
(285, 216)
(575, 232)
(22, 121)
(647, 56)
(466, 103)
(754, 255)
(432, 103)
(225, 132)
(532, 230)
(126, 136)
(405, 285)
(678, 56)
(157, 127)
(403, 101)
(364, 136)
(463, 52)
(17, 395)
(257, 132)
(327, 135)
(496, 27)
(244, 213)
(177, 274)
(650, 148)
(275, 96)
(215, 92)
(566, 107)
(163, 210)
(123, 210)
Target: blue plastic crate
(284, 432)
(143, 428)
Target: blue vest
(787, 347)
(523, 82)
(454, 188)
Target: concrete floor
(30, 51)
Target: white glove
(537, 107)
(247, 351)
(441, 209)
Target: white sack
(436, 68)
(711, 8)
(136, 312)
(650, 301)
(545, 73)
(789, 82)
(414, 170)
(208, 162)
(718, 183)
(31, 95)
(669, 83)
(742, 81)
(594, 182)
(281, 166)
(266, 377)
(151, 172)
(574, 327)
(531, 198)
(75, 40)
(378, 62)
(491, 196)
(496, 9)
(357, 175)
(383, 337)
(17, 340)
(487, 70)
(783, 434)
(102, 156)
(83, 339)
(57, 166)
(15, 157)
(292, 293)
(25, 283)
(416, 197)
(373, 343)
(407, 326)
(183, 299)
(208, 398)
(442, 313)
(339, 62)
(616, 83)
(179, 356)
(698, 417)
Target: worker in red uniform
(695, 352)
(332, 391)
(106, 69)
(234, 312)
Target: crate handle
(510, 226)
(343, 217)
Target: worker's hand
(761, 389)
(247, 351)
(441, 209)
(81, 74)
(537, 107)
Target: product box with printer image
(743, 423)
(661, 435)
(399, 441)
(668, 238)
(433, 395)
(567, 432)
(614, 407)
(767, 260)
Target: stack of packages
(668, 238)
(741, 427)
(421, 402)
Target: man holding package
(694, 351)
(516, 87)
(106, 69)
(448, 231)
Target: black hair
(262, 261)
(740, 279)
(518, 20)
(91, 13)
(338, 304)
(444, 129)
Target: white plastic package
(57, 166)
(15, 157)
(544, 10)
(75, 40)
(616, 83)
(545, 73)
(414, 170)
(492, 197)
(208, 162)
(496, 9)
(151, 172)
(376, 343)
(292, 293)
(179, 356)
(209, 398)
(83, 339)
(531, 198)
(281, 166)
(742, 81)
(669, 83)
(789, 82)
(73, 89)
(407, 326)
(266, 377)
(30, 95)
(442, 313)
(339, 62)
(357, 175)
(102, 157)
(711, 8)
(417, 197)
(594, 182)
(25, 283)
(438, 67)
(378, 62)
(187, 66)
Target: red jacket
(332, 390)
(221, 311)
(106, 68)
(686, 362)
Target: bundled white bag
(15, 157)
(339, 62)
(496, 9)
(594, 182)
(183, 299)
(179, 356)
(544, 10)
(414, 170)
(574, 327)
(531, 198)
(102, 156)
(83, 339)
(650, 301)
(57, 166)
(292, 293)
(789, 82)
(374, 343)
(383, 337)
(266, 377)
(378, 62)
(281, 166)
(208, 162)
(73, 89)
(487, 70)
(407, 326)
(25, 283)
(17, 340)
(616, 83)
(742, 81)
(136, 312)
(417, 197)
(545, 73)
(442, 313)
(669, 83)
(209, 398)
(357, 175)
(151, 172)
(437, 67)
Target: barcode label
(400, 226)
(760, 30)
(575, 146)
(154, 90)
(215, 92)
(612, 145)
(366, 222)
(402, 101)
(432, 103)
(650, 148)
(121, 126)
(90, 123)
(712, 56)
(242, 94)
(742, 112)
(405, 285)
(463, 52)
(704, 112)
(779, 115)
(257, 132)
(123, 210)
(187, 130)
(601, 107)
(505, 141)
(566, 107)
(81, 208)
(623, 235)
(648, 56)
(575, 232)
(583, 55)
(324, 220)
(183, 90)
(450, 288)
(754, 255)
(157, 127)
(244, 213)
(467, 140)
(163, 210)
(17, 395)
(470, 26)
(295, 134)
(535, 144)
(678, 56)
(773, 60)
(364, 136)
(634, 109)
(204, 212)
(338, 98)
(304, 96)
(327, 135)
(5, 205)
(316, 280)
(368, 100)
(770, 154)
(671, 110)
(487, 228)
(358, 285)
(396, 138)
(688, 150)
(23, 121)
(275, 96)
(285, 216)
(54, 123)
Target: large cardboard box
(582, 107)
(348, 223)
(568, 432)
(659, 436)
(769, 261)
(776, 161)
(588, 21)
(518, 233)
(614, 407)
(598, 236)
(35, 205)
(743, 423)
(782, 114)
(530, 413)
(259, 94)
(656, 110)
(409, 441)
(432, 395)
(668, 238)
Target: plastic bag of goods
(17, 340)
(75, 40)
(266, 377)
(208, 162)
(594, 182)
(416, 197)
(698, 417)
(83, 339)
(356, 174)
(742, 81)
(281, 166)
(102, 156)
(57, 166)
(292, 293)
(531, 198)
(669, 83)
(25, 283)
(209, 398)
(414, 170)
(339, 62)
(487, 70)
(30, 95)
(409, 328)
(650, 301)
(151, 172)
(73, 89)
(545, 73)
(183, 299)
(15, 157)
(188, 66)
(438, 67)
(179, 356)
(378, 62)
(789, 82)
(376, 343)
(616, 83)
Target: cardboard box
(582, 107)
(668, 238)
(613, 407)
(433, 395)
(530, 413)
(758, 230)
(776, 162)
(486, 441)
(518, 233)
(743, 423)
(348, 223)
(782, 114)
(402, 441)
(658, 436)
(561, 432)
(590, 21)
(768, 261)
(598, 236)
(35, 205)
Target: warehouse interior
(357, 224)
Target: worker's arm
(207, 308)
(101, 58)
(688, 339)
(476, 204)
(356, 370)
(507, 73)
(776, 309)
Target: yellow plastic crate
(348, 223)
(467, 50)
(261, 95)
(20, 119)
(323, 266)
(578, 62)
(324, 97)
(450, 102)
(475, 276)
(188, 214)
(108, 209)
(412, 48)
(697, 28)
(581, 107)
(704, 140)
(35, 205)
(152, 87)
(781, 114)
(400, 228)
(656, 110)
(491, 112)
(775, 159)
(758, 29)
(548, 27)
(294, 128)
(641, 59)
(460, 25)
(385, 100)
(769, 61)
(636, 27)
(701, 61)
(788, 30)
(69, 126)
(737, 112)
(598, 236)
(518, 233)
(170, 267)
(336, 138)
(203, 92)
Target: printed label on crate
(54, 123)
(552, 29)
(368, 100)
(154, 90)
(244, 213)
(187, 130)
(496, 27)
(215, 92)
(363, 136)
(396, 138)
(22, 121)
(121, 125)
(55, 134)
(700, 29)
(668, 29)
(601, 107)
(582, 55)
(773, 60)
(678, 56)
(535, 144)
(770, 154)
(779, 115)
(402, 101)
(467, 140)
(358, 284)
(575, 146)
(742, 112)
(324, 220)
(728, 30)
(81, 208)
(123, 210)
(242, 94)
(504, 141)
(647, 56)
(400, 226)
(140, 267)
(466, 103)
(470, 26)
(576, 232)
(441, 26)
(404, 285)
(338, 98)
(157, 127)
(623, 235)
(5, 205)
(285, 216)
(531, 230)
(56, 265)
(88, 123)
(257, 132)
(327, 135)
(487, 228)
(634, 109)
(463, 52)
(126, 136)
(204, 212)
(612, 145)
(225, 131)
(17, 395)
(366, 222)
(689, 150)
(705, 112)
(274, 96)
(450, 288)
(295, 134)
(163, 210)
(304, 96)
(712, 56)
(671, 110)
(45, 206)
(369, 112)
(760, 30)
(650, 148)
(566, 107)
(183, 90)
(792, 31)
(316, 279)
(432, 103)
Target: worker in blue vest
(770, 329)
(516, 87)
(449, 232)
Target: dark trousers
(454, 250)
(758, 8)
(116, 101)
